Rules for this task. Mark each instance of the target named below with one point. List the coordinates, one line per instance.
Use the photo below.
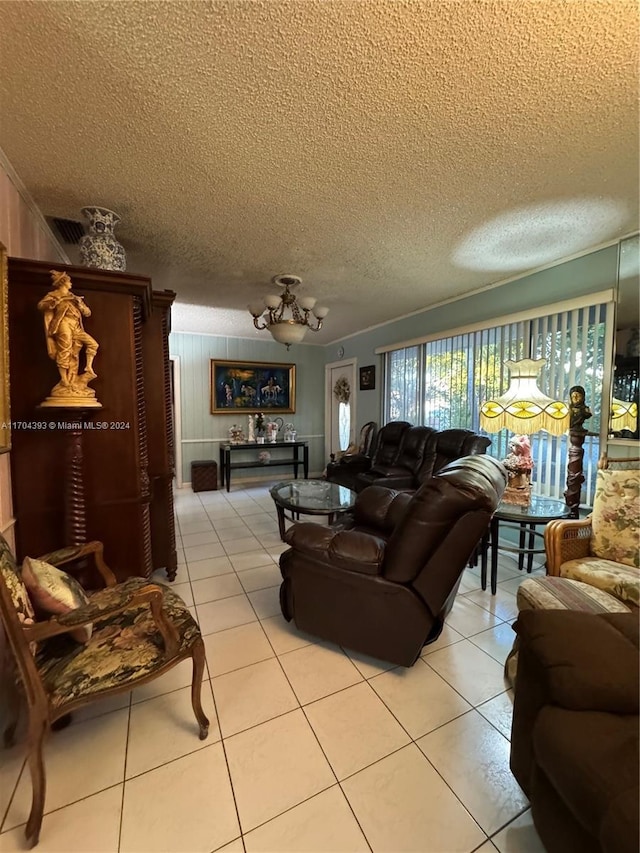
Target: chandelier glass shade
(286, 317)
(623, 416)
(523, 408)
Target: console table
(227, 466)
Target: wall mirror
(623, 422)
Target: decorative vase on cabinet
(99, 248)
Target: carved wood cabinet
(127, 446)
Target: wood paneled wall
(24, 234)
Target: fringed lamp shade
(623, 416)
(523, 408)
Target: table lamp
(523, 409)
(624, 415)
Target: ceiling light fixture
(285, 317)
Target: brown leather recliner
(385, 586)
(574, 739)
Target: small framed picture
(368, 378)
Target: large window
(442, 383)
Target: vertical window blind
(442, 383)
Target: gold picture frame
(5, 416)
(248, 387)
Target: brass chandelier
(286, 317)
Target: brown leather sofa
(574, 741)
(384, 586)
(423, 451)
(404, 456)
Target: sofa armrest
(564, 540)
(581, 660)
(355, 463)
(354, 550)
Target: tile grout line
(124, 771)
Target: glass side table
(524, 519)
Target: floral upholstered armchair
(603, 550)
(69, 648)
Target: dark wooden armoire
(128, 462)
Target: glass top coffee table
(311, 497)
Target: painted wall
(202, 432)
(587, 274)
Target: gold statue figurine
(63, 312)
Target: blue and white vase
(99, 248)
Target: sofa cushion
(127, 644)
(591, 759)
(551, 593)
(617, 579)
(55, 592)
(614, 520)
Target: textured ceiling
(392, 154)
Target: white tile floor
(312, 748)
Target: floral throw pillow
(615, 518)
(55, 592)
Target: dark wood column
(575, 477)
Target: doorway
(340, 415)
(174, 364)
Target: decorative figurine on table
(272, 427)
(236, 436)
(259, 428)
(519, 465)
(252, 430)
(63, 312)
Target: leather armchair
(345, 470)
(384, 586)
